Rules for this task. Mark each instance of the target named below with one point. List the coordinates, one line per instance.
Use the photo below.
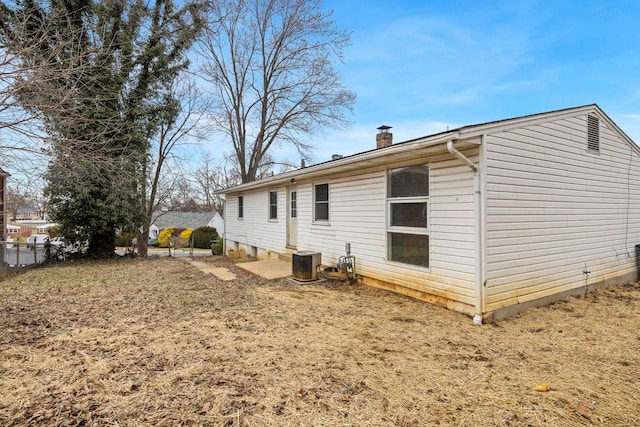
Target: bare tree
(271, 65)
(179, 122)
(23, 138)
(26, 192)
(209, 176)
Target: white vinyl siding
(255, 229)
(554, 210)
(359, 217)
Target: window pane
(321, 202)
(294, 204)
(409, 248)
(322, 211)
(273, 205)
(410, 181)
(240, 207)
(409, 215)
(322, 193)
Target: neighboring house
(23, 213)
(164, 219)
(16, 231)
(3, 212)
(486, 219)
(37, 226)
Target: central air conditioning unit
(305, 265)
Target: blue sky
(421, 66)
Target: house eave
(399, 152)
(465, 135)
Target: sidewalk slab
(268, 269)
(220, 272)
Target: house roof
(464, 137)
(182, 219)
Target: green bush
(123, 239)
(218, 249)
(54, 231)
(202, 237)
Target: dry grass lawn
(157, 342)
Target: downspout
(452, 150)
(477, 228)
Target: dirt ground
(157, 342)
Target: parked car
(36, 240)
(57, 241)
(152, 242)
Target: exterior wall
(555, 210)
(357, 205)
(255, 233)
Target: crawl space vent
(593, 133)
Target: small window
(273, 205)
(593, 133)
(321, 201)
(240, 207)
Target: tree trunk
(102, 243)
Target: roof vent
(593, 133)
(336, 157)
(384, 138)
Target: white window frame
(240, 207)
(328, 203)
(391, 229)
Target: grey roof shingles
(182, 219)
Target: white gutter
(477, 230)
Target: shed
(487, 219)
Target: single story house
(487, 219)
(164, 219)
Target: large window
(408, 215)
(273, 205)
(240, 207)
(321, 202)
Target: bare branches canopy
(271, 65)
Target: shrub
(123, 239)
(165, 237)
(186, 234)
(54, 231)
(218, 249)
(202, 237)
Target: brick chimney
(384, 138)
